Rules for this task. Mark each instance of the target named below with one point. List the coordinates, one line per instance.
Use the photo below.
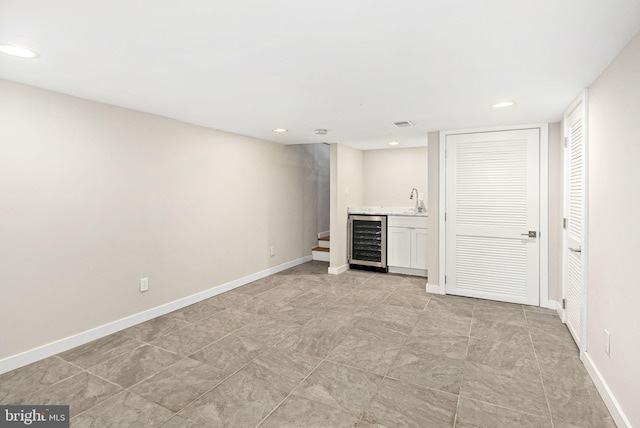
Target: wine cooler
(367, 242)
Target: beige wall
(347, 190)
(433, 207)
(322, 158)
(614, 210)
(390, 174)
(556, 149)
(94, 197)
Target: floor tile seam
(557, 323)
(158, 337)
(558, 350)
(121, 355)
(290, 393)
(455, 416)
(68, 377)
(497, 308)
(500, 341)
(139, 382)
(123, 391)
(413, 327)
(421, 386)
(153, 375)
(401, 345)
(284, 301)
(366, 408)
(485, 320)
(511, 372)
(140, 343)
(338, 363)
(206, 346)
(222, 381)
(549, 331)
(503, 406)
(544, 387)
(31, 392)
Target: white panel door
(574, 213)
(492, 215)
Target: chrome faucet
(419, 204)
(411, 197)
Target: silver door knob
(530, 234)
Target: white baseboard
(435, 289)
(16, 361)
(338, 270)
(323, 234)
(409, 271)
(607, 396)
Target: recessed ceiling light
(17, 51)
(279, 130)
(503, 104)
(393, 143)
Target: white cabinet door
(399, 246)
(419, 248)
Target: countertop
(374, 210)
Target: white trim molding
(435, 289)
(338, 270)
(16, 361)
(609, 399)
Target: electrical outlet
(144, 284)
(272, 251)
(607, 343)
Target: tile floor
(308, 349)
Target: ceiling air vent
(403, 124)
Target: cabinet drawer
(408, 221)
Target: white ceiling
(352, 67)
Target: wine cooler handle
(349, 227)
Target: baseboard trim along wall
(607, 396)
(16, 361)
(435, 289)
(338, 270)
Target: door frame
(583, 99)
(544, 205)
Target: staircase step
(320, 253)
(323, 242)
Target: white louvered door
(492, 203)
(574, 213)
